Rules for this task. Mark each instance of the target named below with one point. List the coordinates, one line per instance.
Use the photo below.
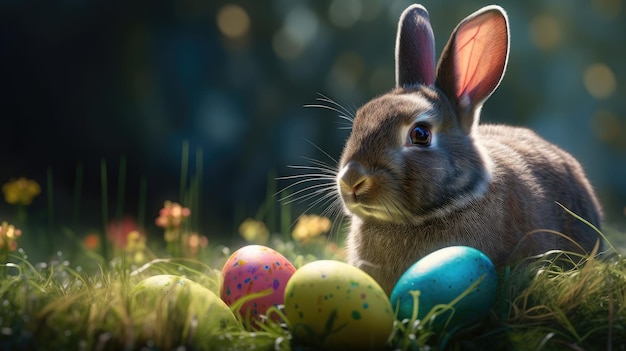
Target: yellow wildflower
(20, 191)
(8, 237)
(254, 231)
(135, 247)
(310, 227)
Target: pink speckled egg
(253, 269)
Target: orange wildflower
(91, 241)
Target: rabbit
(419, 173)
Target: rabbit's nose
(353, 179)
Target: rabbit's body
(496, 223)
(418, 173)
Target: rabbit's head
(412, 154)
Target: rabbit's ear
(415, 48)
(473, 62)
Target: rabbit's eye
(420, 135)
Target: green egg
(335, 306)
(178, 311)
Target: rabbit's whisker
(332, 208)
(343, 110)
(325, 154)
(292, 196)
(327, 181)
(320, 185)
(308, 177)
(326, 171)
(341, 115)
(322, 164)
(322, 200)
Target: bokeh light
(545, 32)
(347, 70)
(300, 27)
(607, 126)
(233, 21)
(231, 77)
(381, 79)
(599, 81)
(371, 10)
(609, 8)
(344, 13)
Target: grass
(54, 306)
(541, 306)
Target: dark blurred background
(87, 81)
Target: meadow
(83, 298)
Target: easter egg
(333, 305)
(443, 276)
(255, 269)
(174, 303)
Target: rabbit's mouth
(386, 213)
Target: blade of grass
(588, 224)
(267, 211)
(105, 208)
(189, 201)
(78, 187)
(285, 219)
(238, 218)
(184, 169)
(271, 201)
(50, 186)
(121, 184)
(141, 210)
(197, 191)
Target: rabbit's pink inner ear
(481, 48)
(415, 48)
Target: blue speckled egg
(440, 278)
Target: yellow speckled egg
(333, 305)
